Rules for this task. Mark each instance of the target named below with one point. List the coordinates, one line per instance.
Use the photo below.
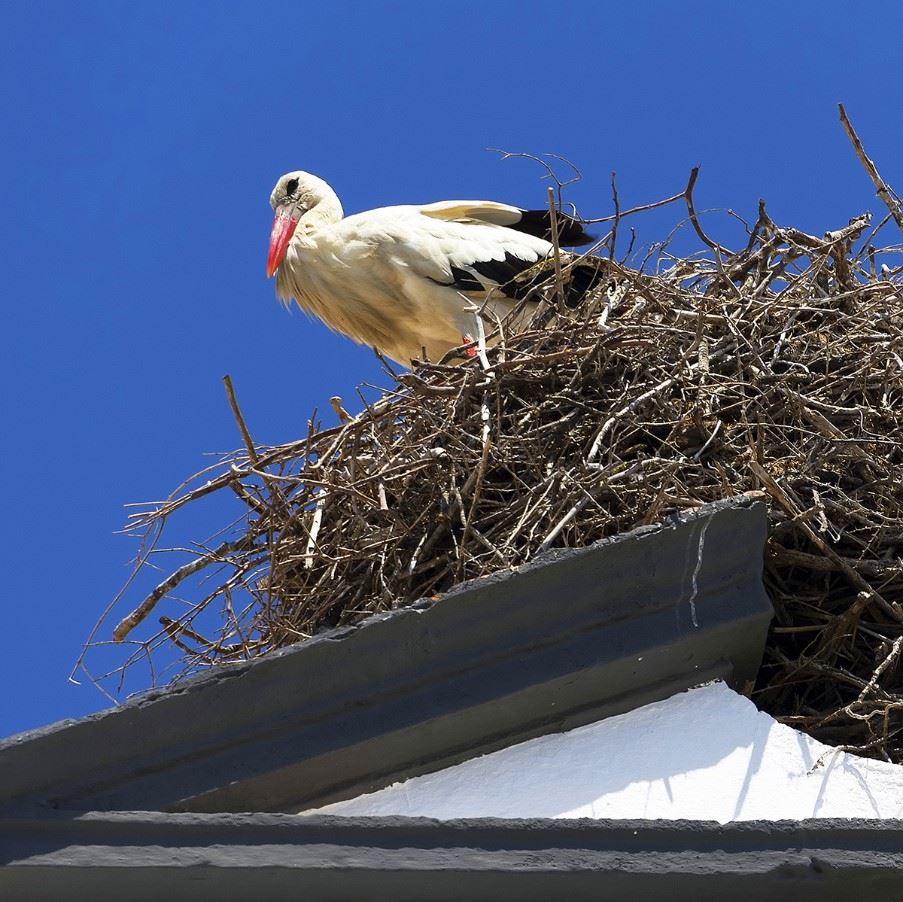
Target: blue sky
(140, 145)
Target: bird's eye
(291, 186)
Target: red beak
(283, 228)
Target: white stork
(408, 279)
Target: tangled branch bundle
(777, 368)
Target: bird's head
(294, 195)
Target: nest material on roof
(777, 368)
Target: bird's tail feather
(584, 278)
(539, 223)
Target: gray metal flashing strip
(149, 856)
(577, 635)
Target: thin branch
(128, 623)
(883, 190)
(688, 197)
(556, 248)
(550, 172)
(640, 209)
(617, 216)
(239, 419)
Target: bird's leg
(469, 339)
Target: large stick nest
(774, 368)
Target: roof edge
(574, 636)
(139, 855)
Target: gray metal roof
(577, 635)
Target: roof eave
(576, 635)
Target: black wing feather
(503, 275)
(464, 280)
(511, 278)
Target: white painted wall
(706, 754)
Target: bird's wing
(478, 210)
(462, 252)
(480, 251)
(531, 222)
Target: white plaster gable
(705, 754)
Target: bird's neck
(327, 211)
